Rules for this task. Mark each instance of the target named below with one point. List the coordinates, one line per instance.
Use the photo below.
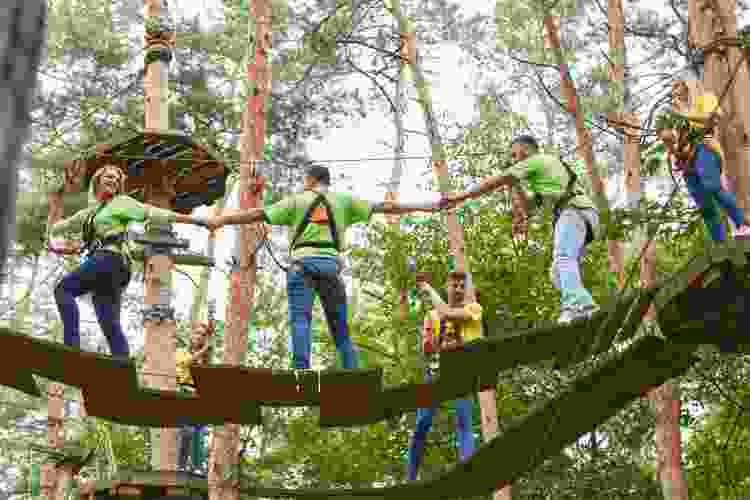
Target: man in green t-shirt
(546, 182)
(318, 219)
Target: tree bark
(159, 345)
(20, 56)
(398, 168)
(723, 16)
(584, 145)
(668, 450)
(223, 473)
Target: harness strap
(320, 199)
(97, 244)
(570, 193)
(89, 231)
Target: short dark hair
(319, 172)
(526, 139)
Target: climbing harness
(314, 279)
(320, 199)
(88, 236)
(570, 193)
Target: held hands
(449, 201)
(215, 223)
(210, 223)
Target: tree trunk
(668, 450)
(584, 144)
(724, 19)
(20, 56)
(410, 55)
(398, 167)
(159, 348)
(55, 403)
(223, 480)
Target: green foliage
(31, 222)
(68, 35)
(117, 446)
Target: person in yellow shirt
(447, 327)
(691, 100)
(199, 354)
(701, 164)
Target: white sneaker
(589, 310)
(567, 315)
(576, 312)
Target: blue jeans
(569, 241)
(705, 188)
(322, 275)
(105, 275)
(190, 438)
(464, 432)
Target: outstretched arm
(488, 185)
(125, 208)
(395, 208)
(246, 217)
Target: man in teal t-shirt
(545, 181)
(314, 249)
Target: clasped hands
(448, 201)
(210, 223)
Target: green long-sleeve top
(113, 219)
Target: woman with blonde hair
(701, 167)
(691, 100)
(105, 264)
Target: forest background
(332, 81)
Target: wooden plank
(602, 392)
(580, 340)
(347, 396)
(729, 250)
(708, 315)
(66, 365)
(14, 371)
(87, 370)
(617, 312)
(262, 385)
(159, 408)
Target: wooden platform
(586, 403)
(147, 486)
(712, 314)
